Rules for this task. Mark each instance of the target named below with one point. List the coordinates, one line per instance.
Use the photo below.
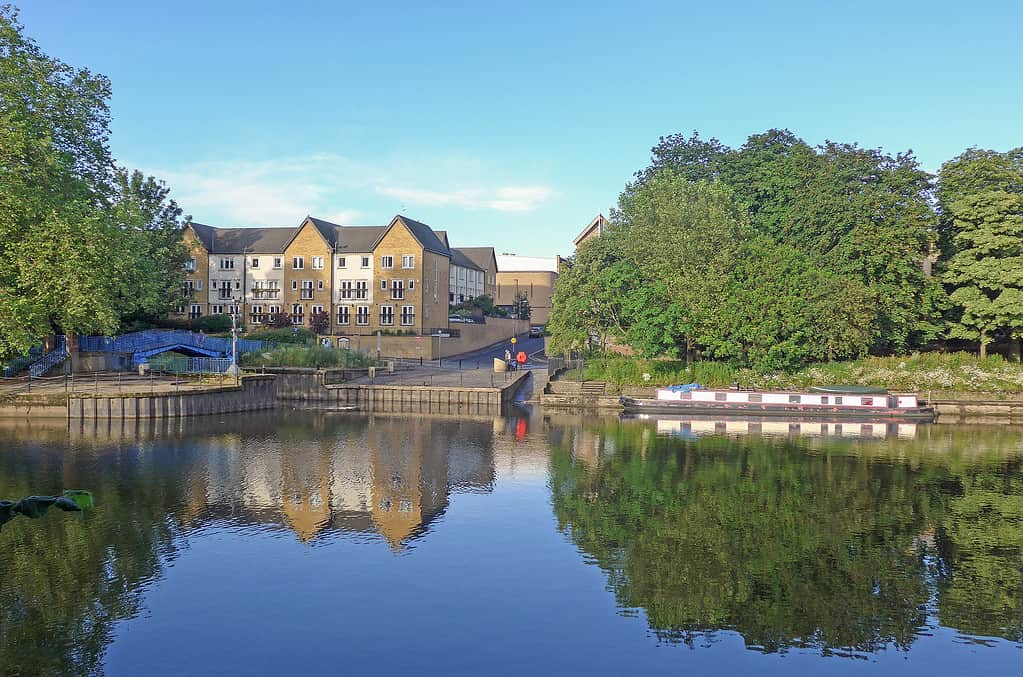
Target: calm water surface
(533, 544)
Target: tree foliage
(82, 244)
(981, 198)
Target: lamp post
(233, 369)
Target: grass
(920, 372)
(306, 356)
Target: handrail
(156, 338)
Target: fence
(180, 364)
(156, 338)
(570, 369)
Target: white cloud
(502, 199)
(281, 192)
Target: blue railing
(179, 364)
(50, 359)
(156, 338)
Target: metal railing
(157, 338)
(50, 359)
(180, 364)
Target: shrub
(279, 321)
(282, 335)
(212, 324)
(319, 322)
(306, 356)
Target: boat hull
(688, 407)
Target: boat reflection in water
(696, 426)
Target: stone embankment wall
(253, 394)
(471, 337)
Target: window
(316, 310)
(190, 264)
(298, 262)
(383, 285)
(319, 285)
(226, 264)
(297, 313)
(307, 289)
(387, 262)
(794, 399)
(408, 262)
(189, 285)
(362, 289)
(255, 262)
(343, 315)
(451, 297)
(411, 285)
(341, 262)
(225, 292)
(386, 316)
(346, 289)
(257, 314)
(365, 261)
(408, 316)
(397, 289)
(238, 284)
(180, 310)
(362, 315)
(868, 401)
(317, 263)
(278, 263)
(274, 310)
(294, 285)
(194, 311)
(217, 309)
(198, 285)
(213, 284)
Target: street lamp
(233, 369)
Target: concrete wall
(471, 337)
(254, 393)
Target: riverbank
(933, 375)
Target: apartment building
(533, 276)
(367, 278)
(466, 281)
(485, 259)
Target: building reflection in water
(343, 475)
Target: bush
(212, 324)
(282, 335)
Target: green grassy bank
(306, 356)
(935, 372)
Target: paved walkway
(439, 377)
(108, 384)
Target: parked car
(535, 331)
(456, 318)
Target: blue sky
(513, 125)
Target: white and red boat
(832, 402)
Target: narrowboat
(832, 402)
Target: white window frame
(411, 285)
(408, 316)
(346, 319)
(341, 262)
(408, 261)
(317, 263)
(383, 285)
(397, 290)
(362, 316)
(362, 290)
(387, 262)
(387, 318)
(195, 310)
(366, 261)
(254, 263)
(294, 285)
(278, 262)
(319, 285)
(315, 309)
(298, 263)
(347, 290)
(226, 263)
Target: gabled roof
(353, 239)
(204, 233)
(484, 257)
(599, 224)
(255, 240)
(442, 235)
(423, 234)
(460, 259)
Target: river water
(294, 542)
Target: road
(486, 355)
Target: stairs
(593, 388)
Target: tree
(279, 320)
(981, 196)
(319, 322)
(684, 239)
(520, 306)
(591, 295)
(80, 243)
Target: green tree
(684, 238)
(81, 244)
(981, 197)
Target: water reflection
(840, 547)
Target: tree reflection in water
(845, 548)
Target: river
(537, 543)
